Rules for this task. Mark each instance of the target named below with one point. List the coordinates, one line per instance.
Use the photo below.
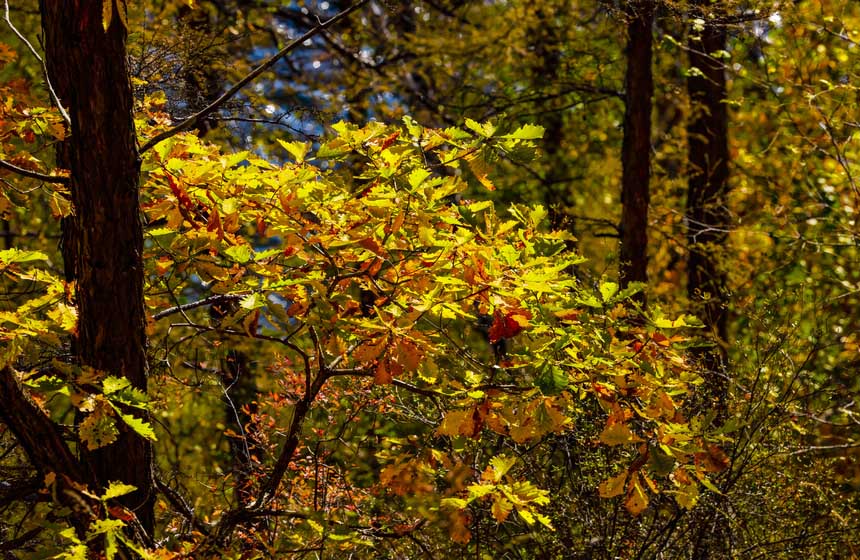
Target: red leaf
(509, 325)
(389, 140)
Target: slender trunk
(103, 241)
(240, 391)
(708, 222)
(636, 149)
(707, 214)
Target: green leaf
(607, 290)
(526, 132)
(10, 256)
(239, 253)
(455, 503)
(141, 428)
(113, 384)
(102, 526)
(117, 489)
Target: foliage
(384, 339)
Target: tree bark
(708, 223)
(43, 442)
(707, 214)
(636, 148)
(104, 242)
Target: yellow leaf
(107, 13)
(459, 423)
(637, 499)
(688, 495)
(481, 171)
(501, 465)
(618, 434)
(613, 486)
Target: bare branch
(194, 304)
(194, 119)
(33, 174)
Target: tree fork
(104, 239)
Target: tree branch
(194, 119)
(42, 441)
(33, 174)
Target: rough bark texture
(636, 148)
(707, 214)
(88, 68)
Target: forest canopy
(430, 278)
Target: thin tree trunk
(636, 148)
(104, 239)
(708, 223)
(240, 393)
(707, 214)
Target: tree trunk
(104, 241)
(707, 214)
(636, 148)
(708, 223)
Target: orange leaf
(371, 245)
(121, 513)
(408, 355)
(713, 459)
(396, 224)
(502, 508)
(458, 528)
(370, 350)
(389, 140)
(386, 371)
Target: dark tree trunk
(707, 212)
(636, 149)
(104, 239)
(708, 223)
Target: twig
(35, 53)
(199, 303)
(194, 119)
(181, 505)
